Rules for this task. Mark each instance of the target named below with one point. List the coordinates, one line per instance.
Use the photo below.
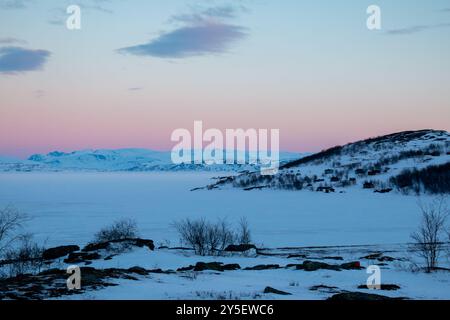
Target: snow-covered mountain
(118, 160)
(408, 161)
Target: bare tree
(25, 257)
(11, 221)
(193, 233)
(428, 242)
(204, 237)
(244, 235)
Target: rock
(383, 190)
(131, 241)
(322, 287)
(275, 291)
(326, 189)
(240, 247)
(230, 267)
(378, 256)
(139, 270)
(314, 265)
(388, 287)
(386, 258)
(96, 246)
(355, 265)
(360, 296)
(373, 256)
(201, 266)
(59, 252)
(302, 256)
(373, 172)
(77, 257)
(368, 185)
(264, 267)
(215, 266)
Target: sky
(137, 70)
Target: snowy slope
(370, 163)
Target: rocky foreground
(111, 265)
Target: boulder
(388, 287)
(59, 252)
(77, 257)
(354, 265)
(264, 267)
(215, 266)
(275, 291)
(131, 241)
(360, 296)
(240, 247)
(138, 270)
(315, 265)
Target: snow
(244, 284)
(70, 207)
(93, 188)
(105, 160)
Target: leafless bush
(428, 242)
(207, 238)
(11, 221)
(24, 258)
(244, 234)
(193, 233)
(119, 230)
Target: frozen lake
(68, 208)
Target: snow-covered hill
(388, 162)
(117, 160)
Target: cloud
(416, 29)
(16, 59)
(11, 41)
(14, 4)
(198, 15)
(211, 38)
(202, 31)
(58, 15)
(135, 88)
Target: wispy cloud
(17, 59)
(135, 89)
(202, 32)
(416, 29)
(10, 40)
(190, 41)
(58, 16)
(14, 4)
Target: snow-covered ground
(70, 207)
(250, 284)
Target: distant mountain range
(119, 160)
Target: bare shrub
(119, 230)
(204, 237)
(11, 221)
(193, 233)
(24, 258)
(427, 239)
(244, 234)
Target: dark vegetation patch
(433, 180)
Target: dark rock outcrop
(132, 242)
(240, 247)
(264, 267)
(59, 252)
(360, 296)
(276, 291)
